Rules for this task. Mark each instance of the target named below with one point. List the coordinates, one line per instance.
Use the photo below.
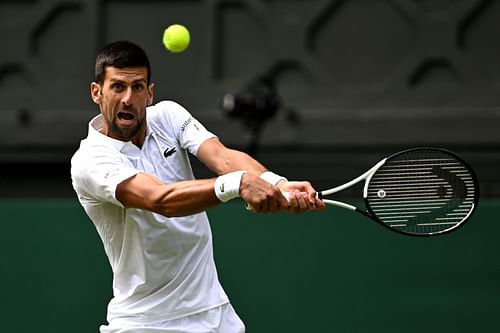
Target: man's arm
(222, 160)
(188, 197)
(182, 198)
(262, 196)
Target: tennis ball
(176, 38)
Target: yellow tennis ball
(176, 38)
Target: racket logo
(453, 191)
(381, 194)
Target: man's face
(123, 98)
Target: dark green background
(319, 272)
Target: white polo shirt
(163, 267)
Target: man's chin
(125, 132)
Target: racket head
(422, 192)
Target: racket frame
(369, 174)
(365, 176)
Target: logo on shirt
(109, 172)
(187, 122)
(169, 151)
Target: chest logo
(169, 151)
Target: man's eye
(138, 87)
(117, 86)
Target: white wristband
(227, 186)
(271, 177)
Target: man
(133, 178)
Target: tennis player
(133, 178)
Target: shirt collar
(95, 127)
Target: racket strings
(422, 192)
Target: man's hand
(301, 196)
(262, 196)
(294, 196)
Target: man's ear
(150, 93)
(95, 92)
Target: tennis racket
(420, 191)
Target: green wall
(319, 272)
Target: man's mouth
(126, 117)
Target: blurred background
(317, 90)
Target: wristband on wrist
(271, 177)
(227, 186)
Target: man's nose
(127, 95)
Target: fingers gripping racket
(421, 191)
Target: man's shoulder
(164, 110)
(166, 116)
(92, 151)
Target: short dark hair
(121, 54)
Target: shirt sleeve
(189, 132)
(95, 176)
